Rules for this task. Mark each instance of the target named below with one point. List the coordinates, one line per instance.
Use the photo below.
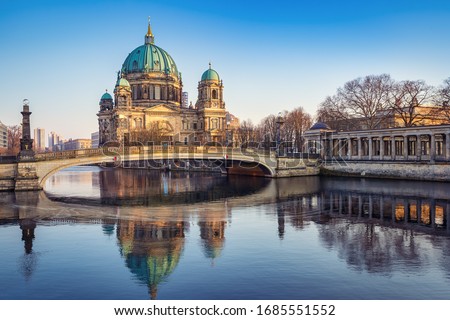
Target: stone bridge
(31, 175)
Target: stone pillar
(322, 202)
(433, 213)
(418, 143)
(370, 206)
(381, 207)
(447, 221)
(432, 147)
(339, 146)
(406, 210)
(359, 148)
(360, 205)
(393, 150)
(405, 147)
(331, 203)
(447, 146)
(419, 211)
(340, 203)
(394, 203)
(350, 147)
(350, 204)
(370, 148)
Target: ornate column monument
(26, 177)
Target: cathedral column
(370, 148)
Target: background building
(3, 136)
(95, 139)
(54, 141)
(148, 102)
(77, 144)
(185, 100)
(39, 139)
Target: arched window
(135, 65)
(214, 94)
(214, 123)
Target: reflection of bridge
(31, 175)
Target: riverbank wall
(398, 170)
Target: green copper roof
(149, 58)
(106, 96)
(210, 74)
(122, 82)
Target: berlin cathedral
(147, 103)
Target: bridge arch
(235, 165)
(47, 169)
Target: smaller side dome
(320, 126)
(210, 74)
(122, 82)
(106, 96)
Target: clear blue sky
(271, 55)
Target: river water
(104, 233)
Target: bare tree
(410, 98)
(267, 131)
(246, 133)
(14, 136)
(368, 98)
(333, 112)
(296, 123)
(442, 99)
(360, 103)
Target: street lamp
(280, 121)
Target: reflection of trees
(373, 248)
(151, 249)
(295, 212)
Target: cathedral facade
(147, 107)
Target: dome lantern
(149, 37)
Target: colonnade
(427, 143)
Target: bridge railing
(157, 149)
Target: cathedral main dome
(149, 58)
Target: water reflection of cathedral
(153, 246)
(151, 249)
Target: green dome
(210, 74)
(106, 96)
(122, 82)
(149, 58)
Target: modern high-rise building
(39, 139)
(3, 136)
(54, 141)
